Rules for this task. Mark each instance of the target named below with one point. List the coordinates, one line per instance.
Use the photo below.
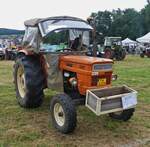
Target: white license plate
(129, 100)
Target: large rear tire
(125, 115)
(63, 113)
(29, 81)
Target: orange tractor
(53, 55)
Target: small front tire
(63, 113)
(120, 55)
(124, 115)
(142, 55)
(108, 53)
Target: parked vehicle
(2, 52)
(11, 53)
(113, 48)
(44, 62)
(145, 52)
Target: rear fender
(25, 52)
(43, 63)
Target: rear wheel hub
(21, 82)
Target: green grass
(21, 127)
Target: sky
(13, 13)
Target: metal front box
(108, 100)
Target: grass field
(30, 128)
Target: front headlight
(106, 67)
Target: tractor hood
(85, 59)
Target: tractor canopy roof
(113, 38)
(36, 21)
(50, 24)
(46, 33)
(109, 41)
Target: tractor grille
(98, 67)
(106, 76)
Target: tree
(145, 13)
(126, 23)
(103, 23)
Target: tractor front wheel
(120, 55)
(142, 55)
(63, 113)
(124, 115)
(108, 53)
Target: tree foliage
(4, 31)
(125, 23)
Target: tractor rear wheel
(63, 113)
(124, 115)
(29, 81)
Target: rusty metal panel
(55, 76)
(111, 104)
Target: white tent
(144, 39)
(128, 42)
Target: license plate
(101, 82)
(129, 100)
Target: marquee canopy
(144, 39)
(128, 41)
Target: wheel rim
(108, 54)
(59, 114)
(21, 82)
